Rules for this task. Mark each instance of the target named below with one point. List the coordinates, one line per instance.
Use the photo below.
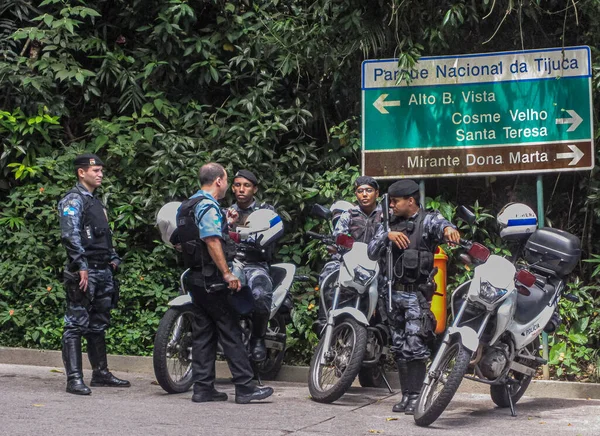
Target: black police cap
(248, 175)
(366, 180)
(87, 160)
(403, 188)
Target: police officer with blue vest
(89, 284)
(202, 232)
(415, 234)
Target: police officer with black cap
(91, 291)
(360, 222)
(255, 260)
(202, 232)
(415, 235)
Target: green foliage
(158, 88)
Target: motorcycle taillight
(344, 241)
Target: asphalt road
(33, 402)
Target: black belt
(97, 265)
(413, 287)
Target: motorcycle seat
(531, 301)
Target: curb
(290, 374)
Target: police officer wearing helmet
(202, 232)
(415, 235)
(360, 221)
(91, 291)
(254, 258)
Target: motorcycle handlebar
(318, 236)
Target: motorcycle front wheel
(437, 394)
(328, 381)
(172, 356)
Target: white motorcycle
(354, 338)
(499, 314)
(172, 356)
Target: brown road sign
(491, 160)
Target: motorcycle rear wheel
(269, 369)
(371, 377)
(437, 394)
(328, 382)
(172, 357)
(498, 392)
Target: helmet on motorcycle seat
(166, 220)
(516, 221)
(337, 209)
(263, 227)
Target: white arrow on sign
(575, 156)
(380, 104)
(574, 121)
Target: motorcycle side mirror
(479, 252)
(344, 241)
(466, 215)
(320, 211)
(526, 278)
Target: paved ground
(33, 402)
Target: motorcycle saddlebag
(553, 251)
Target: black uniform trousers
(215, 320)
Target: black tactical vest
(194, 250)
(96, 237)
(414, 264)
(362, 228)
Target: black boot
(246, 393)
(403, 374)
(203, 394)
(416, 376)
(101, 376)
(71, 353)
(258, 349)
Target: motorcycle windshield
(358, 256)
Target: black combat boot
(101, 376)
(258, 349)
(71, 353)
(403, 374)
(203, 394)
(246, 393)
(416, 376)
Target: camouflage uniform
(88, 241)
(411, 321)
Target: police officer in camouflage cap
(91, 291)
(255, 260)
(414, 234)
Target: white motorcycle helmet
(166, 220)
(263, 227)
(516, 221)
(337, 209)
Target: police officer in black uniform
(91, 291)
(361, 222)
(415, 235)
(202, 232)
(255, 260)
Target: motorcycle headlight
(489, 293)
(363, 276)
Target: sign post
(482, 114)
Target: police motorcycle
(355, 340)
(500, 313)
(172, 356)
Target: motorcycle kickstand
(510, 400)
(385, 380)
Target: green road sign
(496, 113)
